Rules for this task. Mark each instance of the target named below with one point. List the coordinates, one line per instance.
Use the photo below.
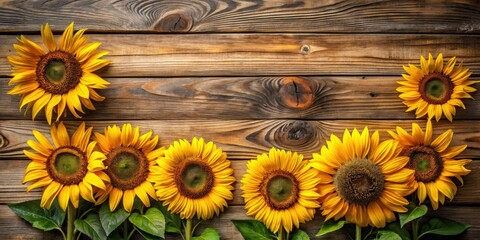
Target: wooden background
(248, 75)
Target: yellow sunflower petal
(50, 105)
(40, 103)
(65, 42)
(64, 197)
(49, 194)
(375, 214)
(48, 38)
(115, 198)
(443, 141)
(128, 198)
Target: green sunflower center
(58, 71)
(280, 189)
(436, 88)
(426, 162)
(67, 165)
(194, 178)
(55, 71)
(127, 167)
(359, 181)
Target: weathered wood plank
(20, 229)
(245, 139)
(269, 54)
(246, 98)
(244, 16)
(12, 190)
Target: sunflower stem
(71, 214)
(280, 233)
(358, 232)
(125, 230)
(415, 229)
(188, 230)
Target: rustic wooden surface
(249, 75)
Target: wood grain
(245, 139)
(12, 190)
(245, 16)
(227, 98)
(20, 229)
(269, 54)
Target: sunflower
(280, 189)
(68, 168)
(196, 179)
(434, 89)
(131, 165)
(366, 180)
(58, 76)
(433, 162)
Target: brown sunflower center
(67, 165)
(426, 162)
(280, 189)
(127, 167)
(58, 72)
(436, 88)
(194, 178)
(359, 181)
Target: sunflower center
(67, 165)
(436, 88)
(359, 181)
(58, 71)
(426, 162)
(194, 178)
(280, 189)
(127, 167)
(55, 71)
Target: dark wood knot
(296, 93)
(305, 49)
(3, 141)
(178, 22)
(295, 133)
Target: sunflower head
(435, 89)
(280, 189)
(59, 75)
(362, 179)
(67, 169)
(433, 162)
(131, 165)
(195, 179)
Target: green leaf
(56, 213)
(208, 234)
(402, 232)
(413, 213)
(147, 236)
(40, 218)
(442, 226)
(300, 235)
(173, 221)
(253, 230)
(91, 226)
(111, 220)
(387, 235)
(330, 226)
(152, 222)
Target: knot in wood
(178, 22)
(305, 49)
(296, 93)
(3, 141)
(295, 133)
